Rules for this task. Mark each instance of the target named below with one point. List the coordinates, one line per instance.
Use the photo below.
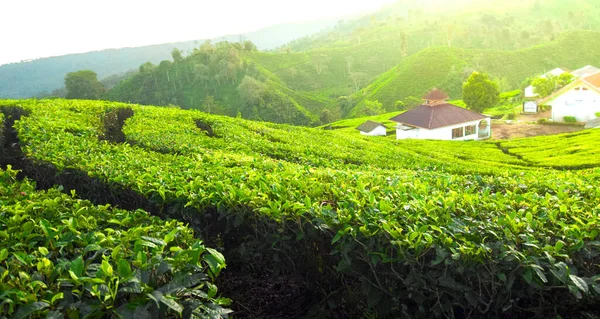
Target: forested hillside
(216, 79)
(42, 76)
(448, 67)
(394, 55)
(297, 88)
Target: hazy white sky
(39, 28)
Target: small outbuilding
(438, 120)
(371, 128)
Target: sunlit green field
(420, 228)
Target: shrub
(511, 116)
(570, 119)
(67, 257)
(542, 121)
(598, 114)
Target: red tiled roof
(436, 116)
(436, 95)
(594, 80)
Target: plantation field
(373, 226)
(62, 255)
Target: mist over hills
(328, 70)
(32, 78)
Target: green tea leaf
(124, 269)
(28, 310)
(3, 254)
(172, 304)
(580, 283)
(77, 266)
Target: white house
(529, 93)
(439, 120)
(580, 99)
(371, 128)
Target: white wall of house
(444, 133)
(529, 93)
(378, 131)
(582, 104)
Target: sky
(40, 28)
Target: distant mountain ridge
(35, 77)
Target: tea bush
(570, 119)
(427, 229)
(63, 257)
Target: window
(470, 130)
(457, 133)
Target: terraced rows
(425, 228)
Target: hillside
(448, 67)
(42, 76)
(301, 214)
(406, 49)
(217, 79)
(301, 94)
(482, 24)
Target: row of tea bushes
(61, 257)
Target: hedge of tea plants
(442, 231)
(63, 257)
(570, 151)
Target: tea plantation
(311, 223)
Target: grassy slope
(432, 67)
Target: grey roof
(585, 71)
(595, 123)
(436, 116)
(369, 126)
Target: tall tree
(84, 84)
(479, 92)
(249, 46)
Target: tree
(209, 104)
(358, 78)
(479, 92)
(373, 108)
(410, 102)
(251, 91)
(249, 46)
(546, 85)
(543, 86)
(320, 60)
(403, 44)
(147, 67)
(84, 85)
(177, 55)
(564, 79)
(326, 116)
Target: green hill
(448, 67)
(41, 76)
(324, 220)
(401, 51)
(217, 79)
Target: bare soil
(524, 129)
